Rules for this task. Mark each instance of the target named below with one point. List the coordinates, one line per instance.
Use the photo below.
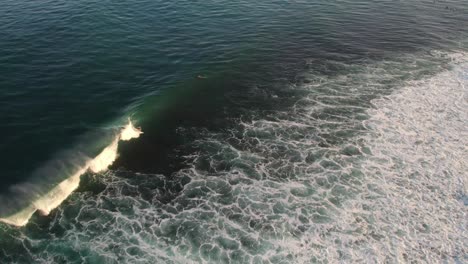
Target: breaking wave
(53, 198)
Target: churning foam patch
(51, 200)
(419, 165)
(409, 206)
(392, 193)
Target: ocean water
(233, 131)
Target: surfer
(201, 77)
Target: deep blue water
(230, 166)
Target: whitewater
(409, 203)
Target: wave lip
(52, 199)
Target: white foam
(419, 163)
(398, 201)
(51, 200)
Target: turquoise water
(321, 131)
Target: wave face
(45, 203)
(366, 166)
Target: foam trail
(51, 200)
